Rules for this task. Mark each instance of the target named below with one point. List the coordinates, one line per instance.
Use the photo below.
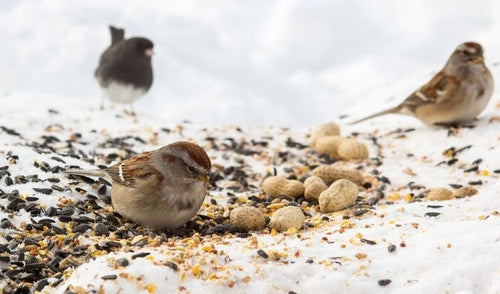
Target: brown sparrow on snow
(158, 189)
(456, 94)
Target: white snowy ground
(454, 252)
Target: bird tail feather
(86, 172)
(396, 109)
(117, 35)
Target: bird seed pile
(260, 228)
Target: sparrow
(124, 72)
(456, 94)
(160, 189)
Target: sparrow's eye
(469, 52)
(191, 170)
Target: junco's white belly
(123, 93)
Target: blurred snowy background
(260, 62)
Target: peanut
(327, 145)
(338, 196)
(352, 149)
(313, 187)
(439, 194)
(465, 192)
(330, 174)
(323, 130)
(286, 218)
(248, 218)
(276, 186)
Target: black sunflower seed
(475, 183)
(140, 254)
(83, 219)
(262, 253)
(434, 206)
(122, 261)
(41, 284)
(58, 230)
(51, 211)
(64, 218)
(9, 181)
(432, 214)
(81, 228)
(102, 190)
(34, 266)
(101, 229)
(391, 248)
(370, 242)
(477, 161)
(471, 169)
(384, 282)
(10, 131)
(172, 265)
(455, 152)
(5, 224)
(47, 191)
(360, 212)
(80, 190)
(66, 211)
(57, 188)
(109, 277)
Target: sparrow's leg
(132, 111)
(102, 102)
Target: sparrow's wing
(130, 170)
(431, 92)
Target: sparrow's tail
(117, 35)
(86, 172)
(396, 109)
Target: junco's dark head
(140, 45)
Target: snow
(455, 252)
(292, 63)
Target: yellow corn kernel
(206, 248)
(345, 223)
(150, 288)
(196, 269)
(393, 197)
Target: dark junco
(124, 72)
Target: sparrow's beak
(204, 178)
(148, 52)
(478, 59)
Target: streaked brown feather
(136, 167)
